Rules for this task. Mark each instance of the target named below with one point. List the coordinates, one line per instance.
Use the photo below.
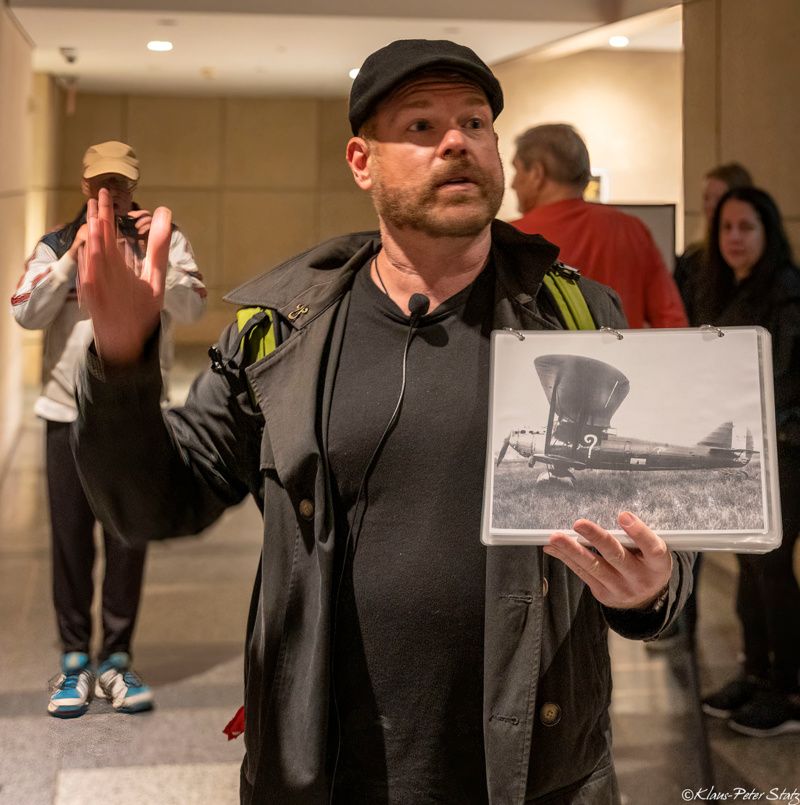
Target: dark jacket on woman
(776, 308)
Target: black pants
(768, 595)
(72, 528)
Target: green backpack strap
(563, 283)
(256, 333)
(258, 337)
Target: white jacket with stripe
(46, 299)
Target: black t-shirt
(408, 654)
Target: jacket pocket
(571, 712)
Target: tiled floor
(664, 745)
(189, 647)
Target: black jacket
(546, 666)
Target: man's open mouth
(457, 180)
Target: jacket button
(545, 587)
(306, 508)
(550, 714)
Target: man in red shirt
(552, 171)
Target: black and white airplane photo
(668, 424)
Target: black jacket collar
(306, 284)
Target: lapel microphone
(418, 306)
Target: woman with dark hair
(690, 264)
(751, 279)
(47, 299)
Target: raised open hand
(123, 293)
(79, 241)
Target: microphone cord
(418, 306)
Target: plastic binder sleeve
(677, 426)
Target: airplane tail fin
(748, 447)
(721, 436)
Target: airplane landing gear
(739, 473)
(566, 480)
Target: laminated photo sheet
(677, 426)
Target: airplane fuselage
(612, 452)
(584, 394)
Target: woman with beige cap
(47, 299)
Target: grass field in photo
(676, 500)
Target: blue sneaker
(71, 690)
(122, 686)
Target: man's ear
(357, 155)
(85, 188)
(537, 173)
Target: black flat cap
(398, 61)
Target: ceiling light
(354, 72)
(619, 41)
(159, 45)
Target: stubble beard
(421, 209)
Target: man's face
(120, 187)
(526, 184)
(433, 162)
(713, 191)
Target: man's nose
(454, 143)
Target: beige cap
(110, 157)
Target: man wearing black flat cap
(391, 657)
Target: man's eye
(419, 125)
(475, 123)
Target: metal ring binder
(611, 330)
(517, 333)
(712, 328)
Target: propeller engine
(504, 447)
(522, 440)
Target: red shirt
(613, 248)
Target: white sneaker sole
(136, 703)
(70, 708)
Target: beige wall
(254, 180)
(40, 197)
(742, 81)
(626, 105)
(251, 181)
(43, 168)
(15, 78)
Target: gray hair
(733, 174)
(561, 151)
